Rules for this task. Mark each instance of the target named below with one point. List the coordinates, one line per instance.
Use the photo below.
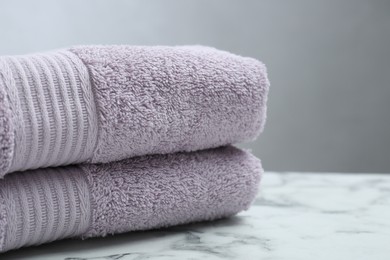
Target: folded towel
(141, 193)
(99, 104)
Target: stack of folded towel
(98, 140)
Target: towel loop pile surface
(97, 140)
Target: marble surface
(296, 216)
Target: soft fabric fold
(99, 104)
(148, 192)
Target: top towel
(106, 103)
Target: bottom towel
(141, 193)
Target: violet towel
(141, 193)
(99, 104)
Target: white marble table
(297, 216)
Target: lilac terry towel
(99, 104)
(141, 193)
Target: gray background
(328, 62)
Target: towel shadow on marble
(188, 234)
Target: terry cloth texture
(100, 104)
(141, 193)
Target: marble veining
(296, 216)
